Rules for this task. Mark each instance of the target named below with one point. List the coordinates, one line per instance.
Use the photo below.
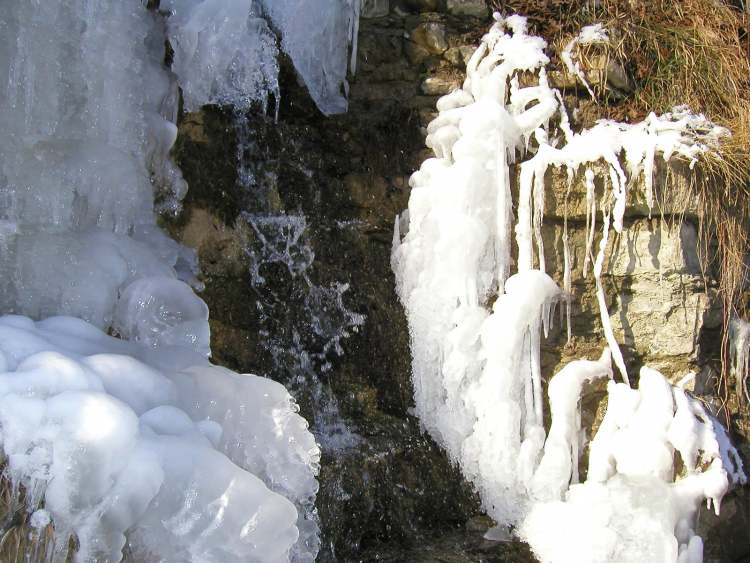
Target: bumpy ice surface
(476, 367)
(136, 440)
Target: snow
(136, 440)
(476, 326)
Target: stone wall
(392, 495)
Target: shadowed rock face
(387, 491)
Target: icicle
(524, 222)
(590, 220)
(567, 288)
(603, 313)
(559, 464)
(536, 372)
(538, 215)
(739, 336)
(504, 211)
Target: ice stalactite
(739, 334)
(226, 53)
(135, 441)
(476, 328)
(321, 39)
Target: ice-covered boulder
(119, 443)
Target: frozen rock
(154, 448)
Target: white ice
(118, 442)
(476, 327)
(227, 53)
(136, 439)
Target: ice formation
(590, 35)
(476, 329)
(632, 506)
(739, 334)
(112, 438)
(136, 440)
(321, 39)
(226, 53)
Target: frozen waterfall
(138, 443)
(476, 326)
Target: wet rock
(474, 8)
(459, 56)
(430, 36)
(416, 53)
(602, 70)
(374, 8)
(439, 85)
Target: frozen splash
(303, 324)
(476, 326)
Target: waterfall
(118, 435)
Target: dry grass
(20, 542)
(694, 52)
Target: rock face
(387, 491)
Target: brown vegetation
(694, 52)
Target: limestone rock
(672, 193)
(602, 70)
(374, 8)
(459, 56)
(656, 297)
(430, 36)
(651, 247)
(476, 8)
